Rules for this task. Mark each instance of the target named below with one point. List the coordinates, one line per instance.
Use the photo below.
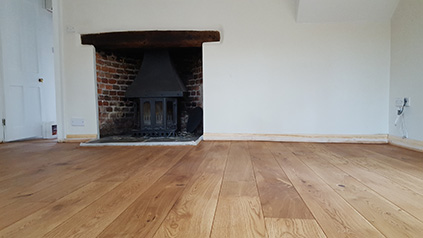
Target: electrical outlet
(399, 102)
(407, 100)
(70, 29)
(78, 122)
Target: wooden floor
(217, 189)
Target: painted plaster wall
(269, 74)
(406, 67)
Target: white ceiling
(345, 10)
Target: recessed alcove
(118, 59)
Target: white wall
(345, 11)
(268, 75)
(407, 66)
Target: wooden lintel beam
(149, 39)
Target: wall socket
(78, 122)
(399, 102)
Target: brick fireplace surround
(116, 70)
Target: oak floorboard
(216, 189)
(50, 175)
(92, 220)
(28, 161)
(193, 213)
(293, 228)
(144, 216)
(402, 154)
(389, 219)
(47, 218)
(336, 217)
(25, 204)
(401, 196)
(239, 166)
(239, 212)
(278, 196)
(404, 174)
(402, 168)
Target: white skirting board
(406, 143)
(378, 139)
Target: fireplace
(152, 111)
(158, 87)
(158, 117)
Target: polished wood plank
(401, 196)
(290, 228)
(383, 164)
(45, 178)
(278, 196)
(52, 215)
(239, 167)
(217, 189)
(19, 206)
(336, 217)
(92, 220)
(388, 218)
(144, 216)
(193, 213)
(405, 174)
(239, 213)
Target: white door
(22, 94)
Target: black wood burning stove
(158, 117)
(157, 86)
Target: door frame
(2, 96)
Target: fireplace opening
(149, 114)
(165, 112)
